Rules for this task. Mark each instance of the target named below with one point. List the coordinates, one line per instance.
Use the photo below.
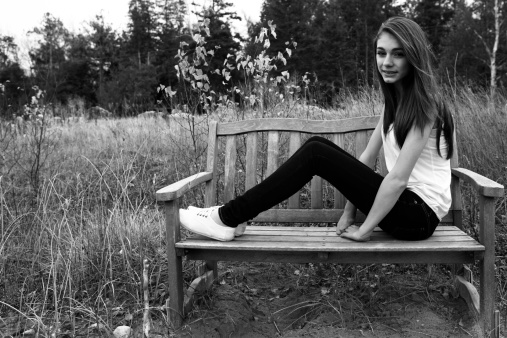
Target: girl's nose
(388, 61)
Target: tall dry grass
(72, 254)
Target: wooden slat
(483, 185)
(441, 231)
(312, 229)
(382, 162)
(211, 164)
(299, 238)
(273, 152)
(469, 293)
(361, 141)
(174, 262)
(312, 216)
(177, 189)
(338, 245)
(294, 144)
(200, 284)
(456, 207)
(339, 199)
(336, 257)
(251, 161)
(316, 192)
(229, 168)
(299, 125)
(333, 238)
(454, 159)
(487, 265)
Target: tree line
(121, 71)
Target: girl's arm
(368, 157)
(394, 183)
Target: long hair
(421, 102)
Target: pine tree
(433, 17)
(142, 31)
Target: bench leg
(487, 265)
(175, 265)
(212, 266)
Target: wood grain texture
(316, 192)
(177, 189)
(294, 145)
(339, 199)
(361, 141)
(313, 216)
(211, 165)
(229, 168)
(382, 162)
(454, 158)
(200, 284)
(483, 185)
(299, 125)
(487, 265)
(251, 161)
(334, 257)
(311, 239)
(273, 152)
(174, 263)
(469, 293)
(456, 207)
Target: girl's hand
(344, 222)
(354, 233)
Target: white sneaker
(200, 222)
(239, 230)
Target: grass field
(78, 215)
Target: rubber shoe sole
(239, 230)
(200, 222)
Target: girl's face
(391, 60)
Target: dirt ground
(325, 300)
(255, 300)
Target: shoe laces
(205, 212)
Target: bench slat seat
(281, 238)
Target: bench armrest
(483, 185)
(177, 189)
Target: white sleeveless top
(431, 177)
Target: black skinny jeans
(409, 219)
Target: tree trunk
(495, 49)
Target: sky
(17, 17)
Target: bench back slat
(230, 167)
(294, 144)
(311, 126)
(361, 142)
(316, 192)
(262, 155)
(251, 161)
(312, 215)
(339, 199)
(273, 152)
(211, 164)
(456, 207)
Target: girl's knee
(318, 139)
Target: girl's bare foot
(344, 222)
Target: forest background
(121, 71)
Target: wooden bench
(257, 146)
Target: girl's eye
(381, 53)
(399, 54)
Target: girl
(416, 132)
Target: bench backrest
(245, 152)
